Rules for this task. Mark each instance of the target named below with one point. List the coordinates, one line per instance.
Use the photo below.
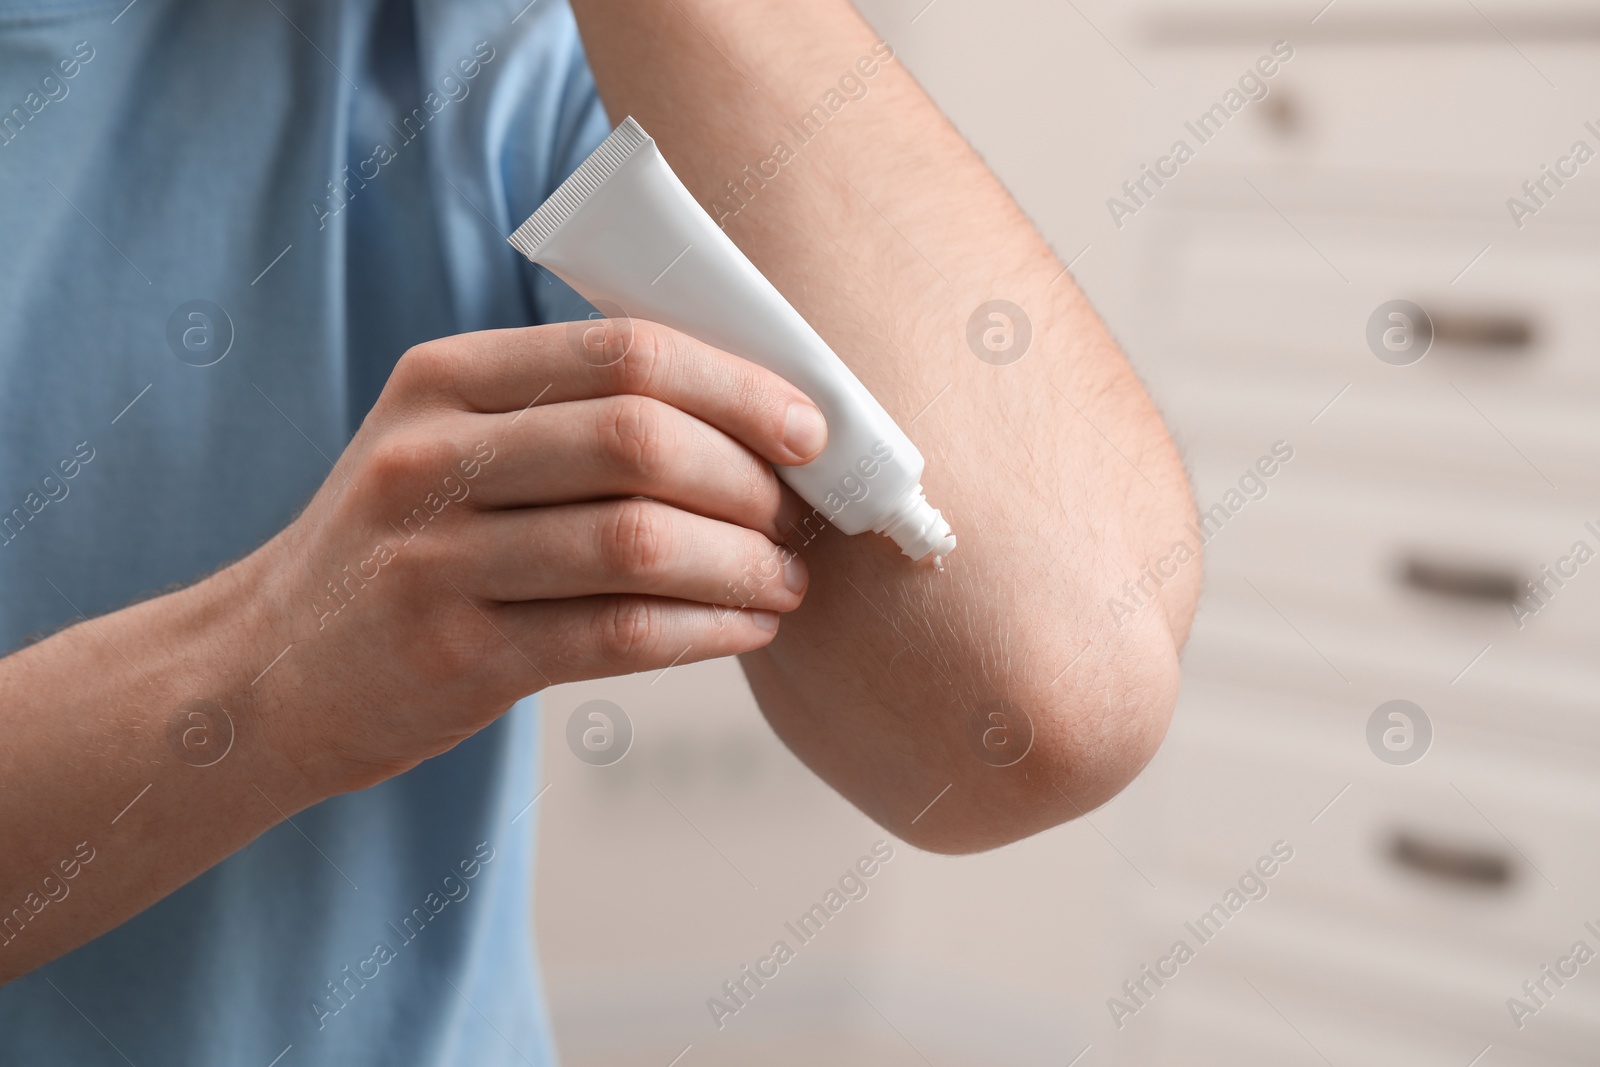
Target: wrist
(236, 624)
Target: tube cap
(917, 527)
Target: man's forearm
(842, 182)
(135, 756)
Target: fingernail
(765, 620)
(795, 572)
(804, 431)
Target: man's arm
(887, 232)
(470, 547)
(134, 754)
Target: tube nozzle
(917, 527)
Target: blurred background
(1433, 862)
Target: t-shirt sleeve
(569, 122)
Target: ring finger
(628, 546)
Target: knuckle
(603, 342)
(391, 462)
(424, 367)
(417, 562)
(635, 437)
(629, 629)
(406, 462)
(635, 539)
(648, 349)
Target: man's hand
(519, 509)
(522, 508)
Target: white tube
(625, 233)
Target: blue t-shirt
(221, 223)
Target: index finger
(506, 370)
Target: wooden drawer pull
(1461, 581)
(1500, 335)
(1451, 863)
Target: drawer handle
(1461, 581)
(1451, 863)
(1500, 335)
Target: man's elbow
(1059, 749)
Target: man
(234, 231)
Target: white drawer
(1408, 559)
(1479, 440)
(1389, 103)
(1250, 336)
(1537, 704)
(1464, 853)
(1445, 994)
(1242, 290)
(1306, 1010)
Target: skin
(886, 232)
(543, 565)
